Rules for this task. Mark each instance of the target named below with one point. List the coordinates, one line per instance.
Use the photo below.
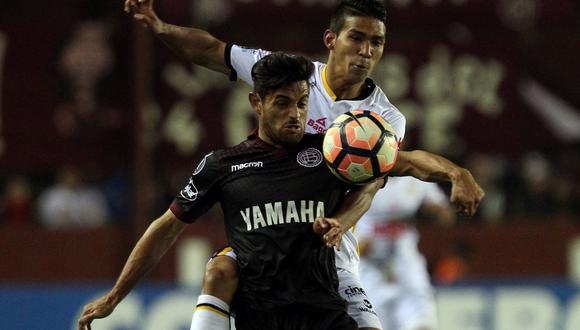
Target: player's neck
(265, 138)
(341, 87)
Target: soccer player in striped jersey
(355, 41)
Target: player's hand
(466, 194)
(322, 225)
(143, 12)
(97, 309)
(330, 230)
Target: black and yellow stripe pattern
(212, 308)
(224, 251)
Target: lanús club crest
(310, 157)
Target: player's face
(357, 48)
(282, 114)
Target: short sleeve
(201, 191)
(241, 60)
(396, 119)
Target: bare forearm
(194, 45)
(158, 238)
(426, 166)
(356, 203)
(465, 192)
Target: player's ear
(256, 102)
(329, 39)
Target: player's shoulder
(219, 162)
(223, 154)
(238, 149)
(318, 65)
(379, 99)
(210, 160)
(380, 103)
(316, 78)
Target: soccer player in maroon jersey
(271, 188)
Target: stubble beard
(286, 140)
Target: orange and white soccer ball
(360, 146)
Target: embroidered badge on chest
(310, 157)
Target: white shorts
(407, 301)
(359, 306)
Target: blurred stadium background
(96, 113)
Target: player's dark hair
(278, 70)
(365, 8)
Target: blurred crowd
(91, 109)
(538, 187)
(70, 199)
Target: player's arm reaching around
(158, 238)
(194, 45)
(355, 203)
(465, 192)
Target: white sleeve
(396, 119)
(390, 113)
(241, 60)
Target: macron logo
(246, 165)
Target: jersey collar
(326, 85)
(254, 138)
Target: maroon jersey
(270, 198)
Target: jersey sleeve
(241, 60)
(201, 191)
(396, 119)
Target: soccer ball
(360, 146)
